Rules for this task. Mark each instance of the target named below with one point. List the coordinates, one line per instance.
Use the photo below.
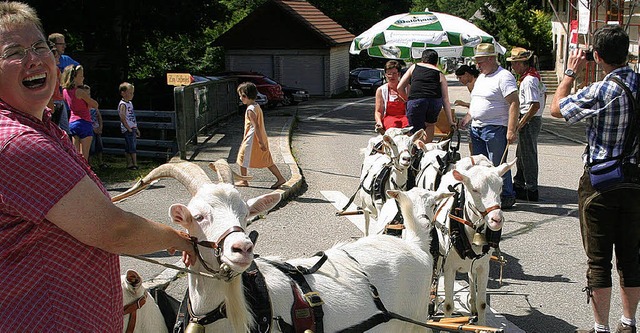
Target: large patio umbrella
(405, 36)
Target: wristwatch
(570, 73)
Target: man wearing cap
(532, 99)
(493, 113)
(609, 217)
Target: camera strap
(633, 118)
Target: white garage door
(304, 71)
(254, 63)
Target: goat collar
(132, 309)
(225, 273)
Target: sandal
(277, 185)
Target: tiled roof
(333, 32)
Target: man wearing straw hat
(493, 113)
(532, 99)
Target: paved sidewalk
(223, 141)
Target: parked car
(369, 80)
(261, 99)
(293, 96)
(265, 85)
(353, 74)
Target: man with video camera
(608, 196)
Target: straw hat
(485, 50)
(520, 54)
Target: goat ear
(180, 215)
(424, 147)
(407, 130)
(459, 176)
(263, 204)
(387, 139)
(442, 145)
(504, 167)
(417, 135)
(394, 193)
(133, 278)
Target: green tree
(518, 24)
(460, 8)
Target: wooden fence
(166, 133)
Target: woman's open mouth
(35, 81)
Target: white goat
(430, 163)
(396, 161)
(376, 141)
(139, 305)
(400, 269)
(482, 188)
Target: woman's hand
(459, 102)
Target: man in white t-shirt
(532, 100)
(493, 113)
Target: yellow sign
(179, 79)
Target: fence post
(181, 129)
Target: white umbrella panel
(405, 36)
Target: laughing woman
(59, 232)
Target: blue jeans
(130, 141)
(491, 141)
(527, 153)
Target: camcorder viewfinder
(588, 55)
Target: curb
(294, 185)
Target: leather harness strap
(216, 246)
(131, 309)
(257, 296)
(297, 273)
(209, 318)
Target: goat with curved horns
(400, 269)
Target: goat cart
(448, 223)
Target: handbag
(604, 174)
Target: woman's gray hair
(17, 13)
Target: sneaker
(508, 202)
(584, 330)
(622, 328)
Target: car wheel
(287, 100)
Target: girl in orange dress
(254, 150)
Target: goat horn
(188, 174)
(225, 174)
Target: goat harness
(306, 310)
(224, 273)
(132, 309)
(457, 234)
